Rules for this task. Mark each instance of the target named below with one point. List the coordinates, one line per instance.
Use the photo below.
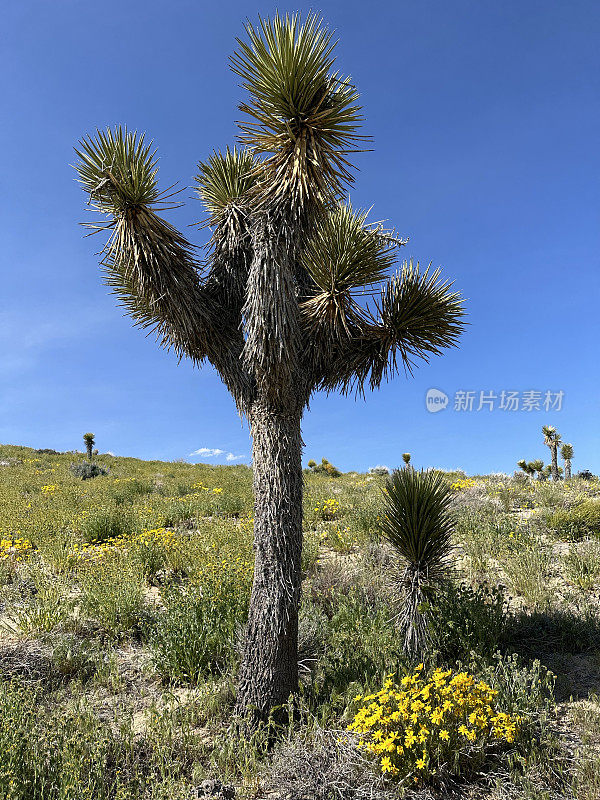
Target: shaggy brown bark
(269, 671)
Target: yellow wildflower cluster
(462, 484)
(226, 580)
(15, 549)
(328, 509)
(339, 537)
(94, 551)
(420, 724)
(199, 486)
(49, 490)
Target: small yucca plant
(89, 440)
(419, 524)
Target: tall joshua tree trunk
(554, 455)
(269, 672)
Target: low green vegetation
(123, 603)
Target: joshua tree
(537, 466)
(566, 452)
(280, 309)
(406, 458)
(90, 441)
(526, 467)
(552, 440)
(418, 523)
(546, 473)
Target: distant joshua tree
(529, 467)
(90, 441)
(546, 472)
(552, 440)
(406, 458)
(566, 452)
(278, 306)
(537, 465)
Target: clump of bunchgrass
(195, 634)
(112, 592)
(580, 522)
(582, 564)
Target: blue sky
(485, 119)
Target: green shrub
(582, 564)
(325, 467)
(40, 601)
(527, 564)
(53, 753)
(310, 551)
(196, 632)
(555, 630)
(466, 621)
(112, 592)
(361, 646)
(102, 524)
(76, 657)
(125, 491)
(364, 519)
(579, 522)
(87, 470)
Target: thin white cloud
(212, 452)
(231, 457)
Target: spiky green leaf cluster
(419, 314)
(304, 273)
(566, 451)
(551, 435)
(224, 180)
(302, 114)
(343, 254)
(118, 169)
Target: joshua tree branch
(417, 316)
(153, 268)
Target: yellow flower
(444, 735)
